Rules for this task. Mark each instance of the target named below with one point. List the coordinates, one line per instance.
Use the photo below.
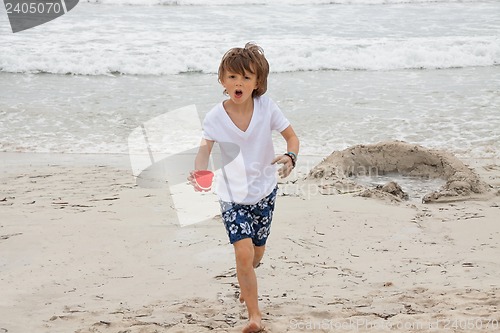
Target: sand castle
(335, 173)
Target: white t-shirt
(246, 175)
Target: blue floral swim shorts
(249, 221)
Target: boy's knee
(244, 252)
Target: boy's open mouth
(238, 93)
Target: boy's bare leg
(257, 257)
(244, 252)
(258, 254)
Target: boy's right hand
(192, 182)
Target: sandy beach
(84, 249)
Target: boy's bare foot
(253, 326)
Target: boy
(242, 125)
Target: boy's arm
(292, 145)
(201, 160)
(292, 141)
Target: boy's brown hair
(251, 59)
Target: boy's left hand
(287, 167)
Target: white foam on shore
(311, 54)
(145, 40)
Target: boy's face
(239, 87)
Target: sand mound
(335, 171)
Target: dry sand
(83, 249)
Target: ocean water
(344, 72)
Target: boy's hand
(287, 167)
(192, 182)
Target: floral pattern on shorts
(249, 221)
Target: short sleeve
(278, 120)
(206, 131)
